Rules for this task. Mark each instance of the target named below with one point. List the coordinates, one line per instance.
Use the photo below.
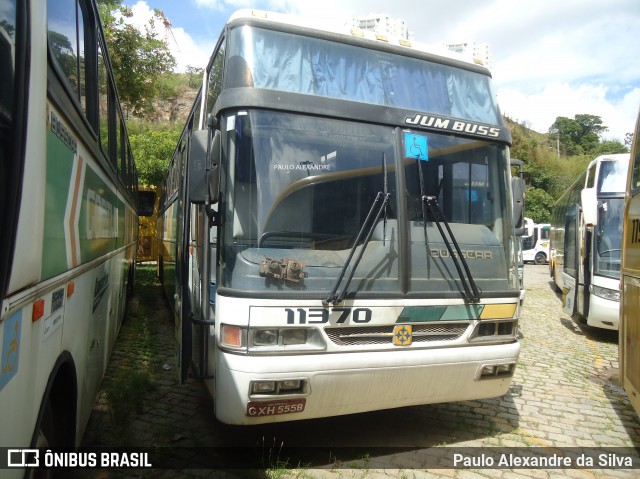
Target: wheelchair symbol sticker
(10, 348)
(415, 147)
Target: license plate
(274, 408)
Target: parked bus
(535, 242)
(630, 293)
(68, 220)
(337, 226)
(149, 200)
(585, 242)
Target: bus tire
(540, 258)
(44, 437)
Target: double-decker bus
(337, 230)
(68, 218)
(585, 242)
(630, 280)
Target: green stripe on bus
(59, 167)
(425, 314)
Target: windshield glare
(299, 191)
(609, 237)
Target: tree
(538, 205)
(580, 135)
(138, 59)
(194, 72)
(610, 147)
(152, 151)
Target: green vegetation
(152, 147)
(550, 169)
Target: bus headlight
(606, 293)
(495, 330)
(285, 339)
(265, 337)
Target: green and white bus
(337, 231)
(68, 217)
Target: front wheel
(45, 438)
(540, 258)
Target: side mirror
(198, 161)
(213, 179)
(517, 190)
(589, 206)
(204, 172)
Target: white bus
(336, 226)
(535, 242)
(629, 342)
(68, 218)
(586, 240)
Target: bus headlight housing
(285, 339)
(498, 330)
(606, 293)
(270, 339)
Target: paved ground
(564, 402)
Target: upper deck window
(613, 177)
(293, 63)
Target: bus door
(203, 296)
(195, 332)
(630, 339)
(570, 272)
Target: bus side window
(215, 78)
(103, 101)
(7, 65)
(66, 34)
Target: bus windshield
(299, 189)
(609, 237)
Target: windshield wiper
(472, 291)
(382, 199)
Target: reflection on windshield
(301, 64)
(609, 237)
(299, 190)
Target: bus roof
(313, 24)
(613, 157)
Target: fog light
(263, 387)
(488, 371)
(492, 371)
(294, 336)
(265, 337)
(289, 385)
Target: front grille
(382, 335)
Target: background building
(475, 50)
(383, 24)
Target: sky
(550, 57)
